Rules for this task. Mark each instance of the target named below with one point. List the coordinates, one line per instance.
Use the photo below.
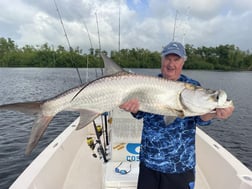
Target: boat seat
(125, 139)
(125, 136)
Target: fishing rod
(186, 22)
(98, 32)
(106, 127)
(91, 46)
(119, 31)
(68, 42)
(98, 132)
(174, 27)
(105, 114)
(99, 38)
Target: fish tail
(38, 129)
(41, 123)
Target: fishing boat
(105, 155)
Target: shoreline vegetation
(222, 57)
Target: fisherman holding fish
(167, 155)
(171, 106)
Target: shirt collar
(181, 77)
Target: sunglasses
(122, 171)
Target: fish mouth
(222, 100)
(213, 111)
(228, 103)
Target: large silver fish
(155, 95)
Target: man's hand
(130, 106)
(221, 113)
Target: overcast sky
(145, 24)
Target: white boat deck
(86, 171)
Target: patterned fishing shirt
(169, 147)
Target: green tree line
(222, 57)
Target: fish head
(196, 100)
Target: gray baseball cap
(174, 48)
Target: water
(27, 84)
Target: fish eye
(217, 97)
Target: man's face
(172, 65)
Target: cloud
(12, 15)
(199, 9)
(39, 30)
(241, 6)
(144, 23)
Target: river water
(28, 84)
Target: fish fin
(110, 66)
(38, 129)
(86, 117)
(24, 107)
(169, 119)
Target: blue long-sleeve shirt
(169, 147)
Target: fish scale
(109, 92)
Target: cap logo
(175, 45)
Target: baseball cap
(174, 48)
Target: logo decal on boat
(133, 148)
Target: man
(167, 155)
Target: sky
(148, 24)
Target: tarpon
(155, 95)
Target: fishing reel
(91, 142)
(99, 131)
